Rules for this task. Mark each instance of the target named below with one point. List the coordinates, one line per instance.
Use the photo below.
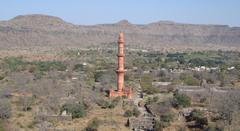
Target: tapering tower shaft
(120, 71)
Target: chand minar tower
(121, 91)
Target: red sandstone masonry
(121, 91)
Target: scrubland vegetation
(60, 94)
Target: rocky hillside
(52, 32)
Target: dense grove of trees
(18, 64)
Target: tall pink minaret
(121, 90)
(120, 71)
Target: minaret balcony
(121, 71)
(120, 55)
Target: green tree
(146, 84)
(181, 100)
(77, 110)
(189, 80)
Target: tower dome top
(121, 37)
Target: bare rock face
(52, 32)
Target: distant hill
(52, 32)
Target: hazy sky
(136, 11)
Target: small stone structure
(44, 116)
(164, 86)
(142, 123)
(161, 83)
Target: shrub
(151, 100)
(31, 125)
(182, 129)
(38, 74)
(49, 65)
(26, 103)
(108, 104)
(128, 113)
(103, 103)
(214, 127)
(146, 84)
(98, 76)
(198, 117)
(167, 117)
(116, 100)
(197, 62)
(181, 100)
(203, 100)
(2, 125)
(20, 115)
(201, 122)
(146, 81)
(194, 115)
(53, 103)
(14, 63)
(77, 110)
(136, 112)
(5, 109)
(104, 77)
(1, 77)
(79, 67)
(158, 126)
(93, 125)
(210, 80)
(190, 80)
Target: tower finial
(121, 37)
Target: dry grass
(20, 120)
(112, 119)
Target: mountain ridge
(123, 21)
(49, 31)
